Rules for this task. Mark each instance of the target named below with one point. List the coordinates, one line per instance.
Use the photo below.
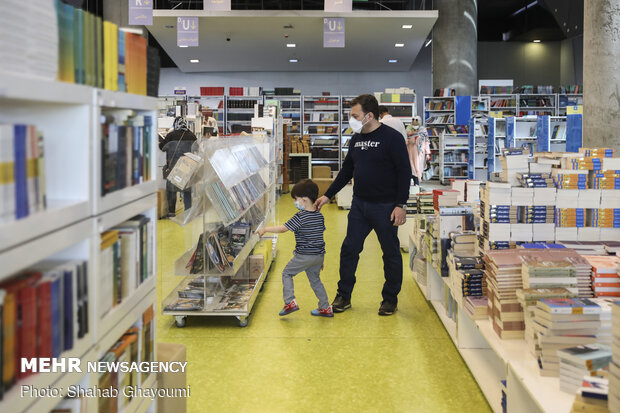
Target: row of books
(29, 38)
(444, 92)
(439, 105)
(135, 346)
(439, 120)
(534, 89)
(238, 91)
(44, 313)
(126, 261)
(126, 152)
(504, 103)
(495, 90)
(22, 171)
(99, 54)
(321, 117)
(457, 129)
(231, 203)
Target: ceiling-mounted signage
(333, 32)
(342, 6)
(141, 12)
(220, 5)
(187, 31)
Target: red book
(44, 318)
(27, 330)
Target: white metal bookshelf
(322, 121)
(439, 112)
(491, 359)
(536, 104)
(568, 99)
(478, 150)
(69, 228)
(505, 103)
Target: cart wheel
(180, 320)
(243, 321)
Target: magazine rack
(225, 269)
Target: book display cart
(51, 238)
(223, 272)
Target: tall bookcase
(477, 167)
(77, 213)
(291, 113)
(321, 122)
(537, 104)
(505, 103)
(239, 113)
(439, 112)
(495, 143)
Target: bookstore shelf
(22, 256)
(31, 89)
(116, 216)
(47, 404)
(110, 320)
(123, 196)
(121, 100)
(57, 215)
(492, 359)
(141, 404)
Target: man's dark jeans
(363, 218)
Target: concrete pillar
(455, 46)
(601, 73)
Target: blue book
(20, 170)
(122, 87)
(67, 291)
(56, 312)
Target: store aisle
(357, 361)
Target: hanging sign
(141, 12)
(345, 6)
(221, 5)
(333, 32)
(187, 31)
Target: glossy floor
(355, 362)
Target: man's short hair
(383, 109)
(368, 103)
(305, 188)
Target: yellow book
(395, 98)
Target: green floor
(355, 362)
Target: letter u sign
(331, 24)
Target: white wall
(310, 83)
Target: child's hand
(261, 232)
(322, 266)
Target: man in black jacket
(378, 161)
(175, 144)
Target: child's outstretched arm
(277, 230)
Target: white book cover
(128, 262)
(106, 282)
(7, 159)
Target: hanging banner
(141, 12)
(187, 31)
(345, 6)
(333, 32)
(220, 5)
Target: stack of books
(472, 190)
(496, 215)
(476, 307)
(570, 179)
(503, 276)
(579, 361)
(467, 277)
(566, 322)
(445, 197)
(614, 367)
(540, 272)
(593, 395)
(425, 203)
(605, 278)
(514, 161)
(528, 297)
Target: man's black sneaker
(340, 304)
(387, 308)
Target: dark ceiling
(498, 20)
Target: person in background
(175, 144)
(308, 225)
(392, 122)
(418, 146)
(377, 160)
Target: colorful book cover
(569, 306)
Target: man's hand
(261, 232)
(322, 266)
(399, 216)
(320, 202)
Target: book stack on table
(605, 278)
(589, 361)
(614, 367)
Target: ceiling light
(291, 45)
(537, 41)
(393, 61)
(194, 60)
(293, 60)
(183, 45)
(399, 45)
(428, 42)
(407, 26)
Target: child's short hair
(305, 188)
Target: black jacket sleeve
(345, 174)
(400, 157)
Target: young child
(308, 225)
